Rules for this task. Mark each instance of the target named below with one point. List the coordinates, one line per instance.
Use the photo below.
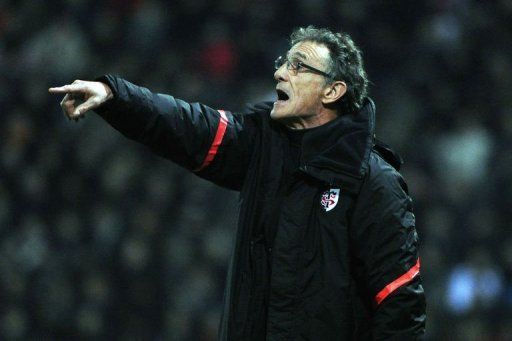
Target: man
(326, 246)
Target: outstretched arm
(214, 144)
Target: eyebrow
(300, 54)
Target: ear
(334, 92)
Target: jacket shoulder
(383, 173)
(258, 107)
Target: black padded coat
(326, 252)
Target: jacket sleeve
(215, 144)
(385, 246)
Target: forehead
(310, 51)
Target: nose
(280, 74)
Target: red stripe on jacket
(397, 283)
(217, 140)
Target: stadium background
(101, 239)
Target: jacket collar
(338, 152)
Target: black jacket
(326, 251)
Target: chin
(277, 113)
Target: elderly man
(326, 245)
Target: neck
(307, 122)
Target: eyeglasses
(296, 65)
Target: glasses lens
(279, 62)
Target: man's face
(300, 91)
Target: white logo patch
(330, 199)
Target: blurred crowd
(99, 239)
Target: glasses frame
(297, 65)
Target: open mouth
(282, 96)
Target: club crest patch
(330, 199)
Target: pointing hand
(93, 94)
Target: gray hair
(346, 63)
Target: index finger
(66, 89)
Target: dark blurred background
(101, 239)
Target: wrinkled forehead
(309, 51)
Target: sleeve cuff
(105, 107)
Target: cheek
(306, 99)
(308, 94)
